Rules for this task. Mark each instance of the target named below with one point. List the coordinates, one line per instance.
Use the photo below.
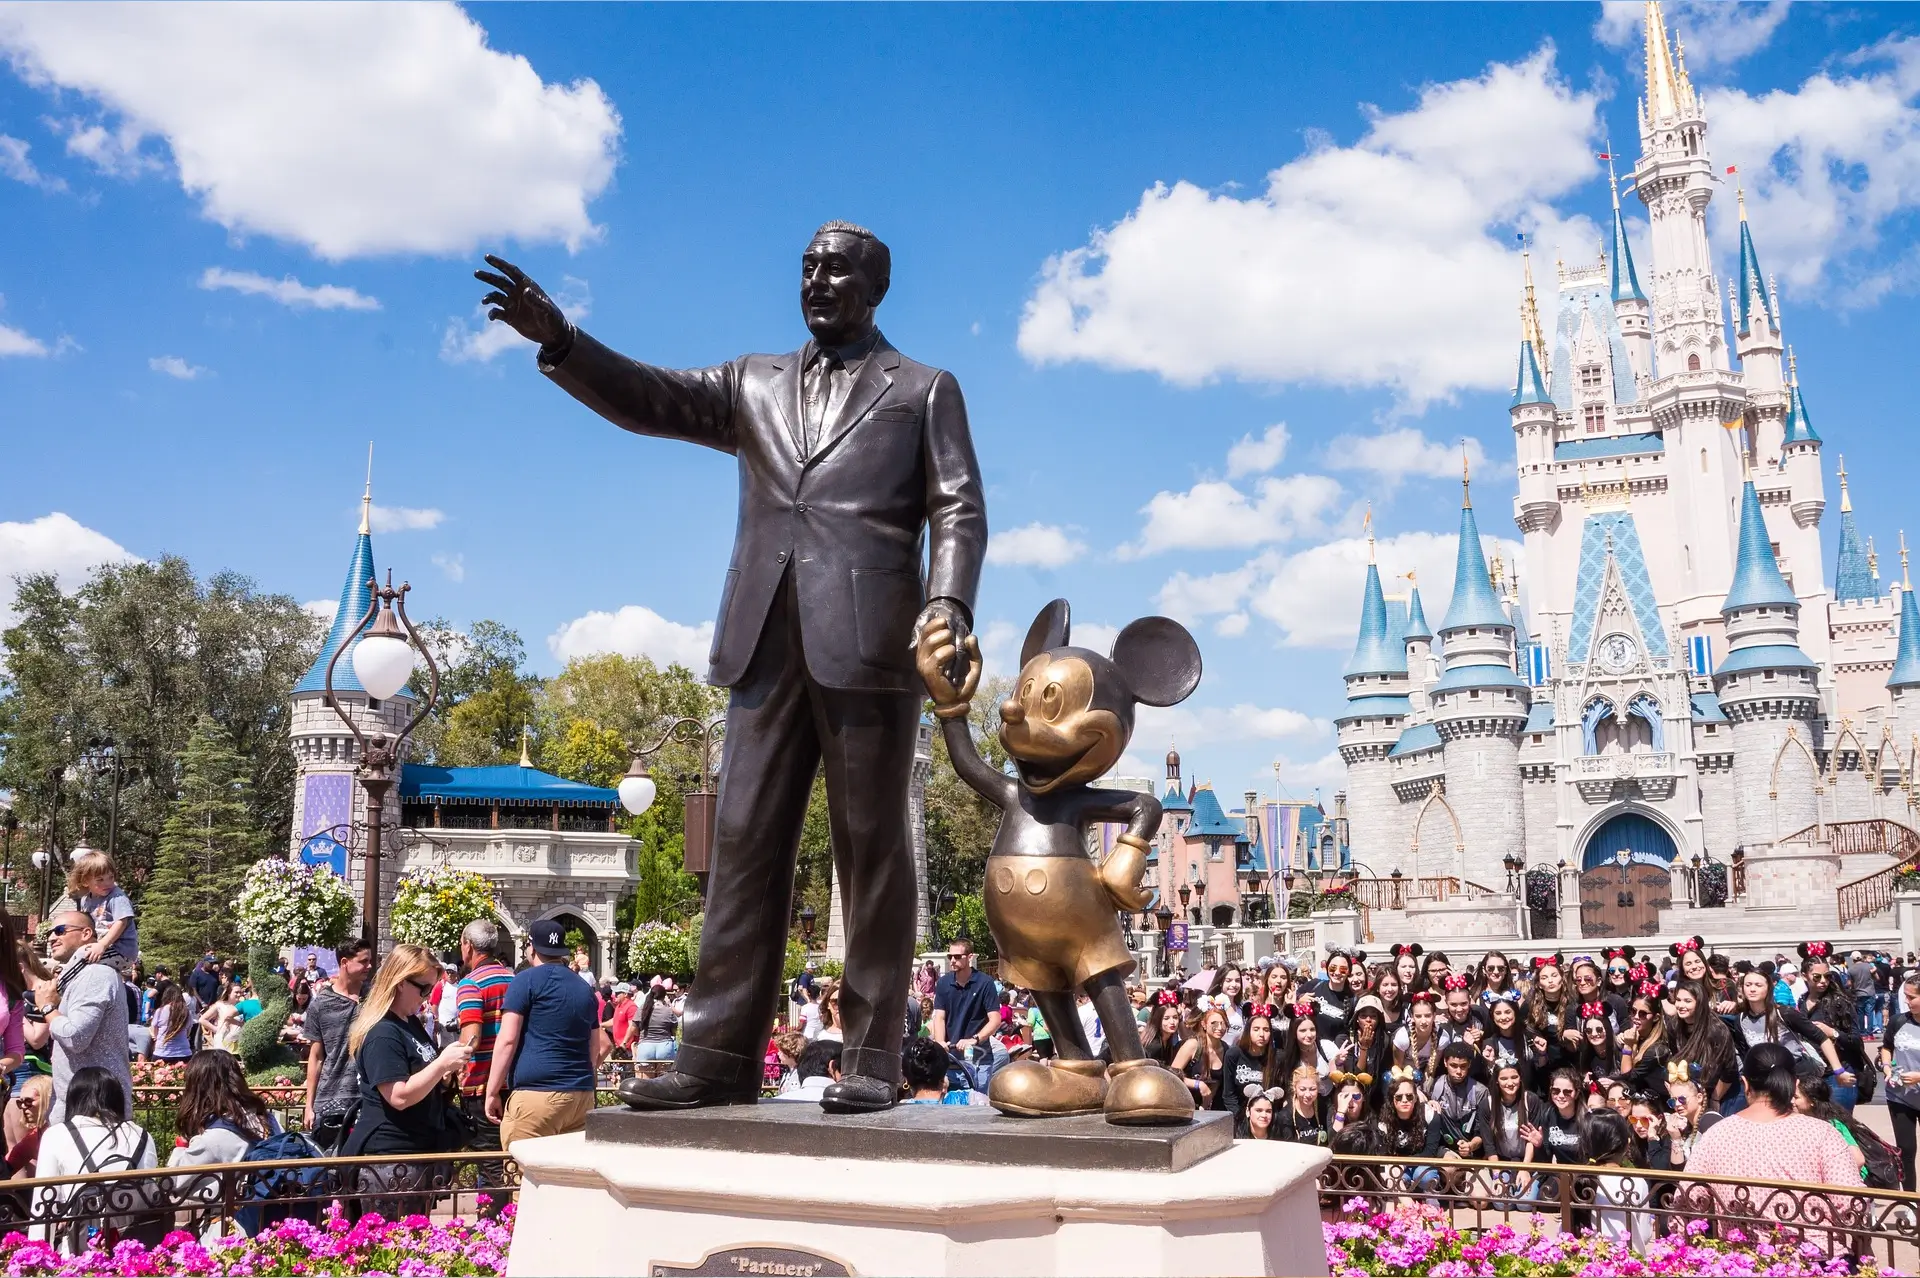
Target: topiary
(260, 1044)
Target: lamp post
(1513, 863)
(41, 860)
(638, 789)
(103, 755)
(807, 918)
(383, 660)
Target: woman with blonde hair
(403, 1094)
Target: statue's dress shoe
(1144, 1093)
(674, 1090)
(858, 1094)
(1030, 1089)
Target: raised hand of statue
(936, 654)
(521, 304)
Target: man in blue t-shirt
(966, 1004)
(549, 1046)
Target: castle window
(1693, 363)
(1595, 416)
(1703, 461)
(1768, 676)
(1475, 694)
(1589, 377)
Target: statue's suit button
(1003, 880)
(1036, 881)
(803, 508)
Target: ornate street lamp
(807, 918)
(638, 789)
(1513, 864)
(1186, 894)
(383, 661)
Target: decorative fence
(241, 1197)
(1840, 1220)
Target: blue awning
(506, 783)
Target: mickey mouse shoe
(1030, 1089)
(1144, 1093)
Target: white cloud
(352, 129)
(55, 543)
(454, 566)
(175, 367)
(324, 609)
(15, 342)
(389, 519)
(634, 631)
(1827, 168)
(15, 164)
(1713, 32)
(1035, 546)
(1386, 263)
(1394, 454)
(289, 291)
(1255, 456)
(1313, 597)
(1197, 727)
(1214, 514)
(485, 338)
(1231, 626)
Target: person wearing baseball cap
(549, 1047)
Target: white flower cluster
(283, 903)
(431, 906)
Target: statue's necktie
(819, 396)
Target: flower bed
(1419, 1239)
(413, 1247)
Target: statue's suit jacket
(894, 467)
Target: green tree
(587, 753)
(666, 892)
(138, 655)
(486, 695)
(485, 728)
(206, 845)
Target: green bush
(260, 1044)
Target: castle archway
(1622, 895)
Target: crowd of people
(1684, 1059)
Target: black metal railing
(148, 1204)
(1841, 1220)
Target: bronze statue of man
(861, 519)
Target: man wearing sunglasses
(85, 1008)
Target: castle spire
(1853, 579)
(1376, 651)
(1799, 428)
(1530, 330)
(1474, 602)
(1757, 579)
(1906, 662)
(366, 498)
(1367, 524)
(1626, 283)
(1752, 284)
(1669, 92)
(1417, 627)
(355, 598)
(1466, 480)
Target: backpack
(1883, 1160)
(307, 1184)
(97, 1212)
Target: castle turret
(1756, 324)
(1419, 643)
(1767, 689)
(1853, 575)
(326, 802)
(1479, 709)
(1376, 712)
(1630, 305)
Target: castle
(1685, 710)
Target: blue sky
(239, 243)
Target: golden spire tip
(366, 498)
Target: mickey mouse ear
(1049, 630)
(1160, 660)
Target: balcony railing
(1625, 766)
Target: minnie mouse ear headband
(1650, 989)
(1353, 957)
(1167, 998)
(1594, 1012)
(1502, 996)
(1811, 950)
(1457, 981)
(1692, 943)
(1680, 1070)
(1421, 996)
(1407, 949)
(1266, 1010)
(1547, 960)
(1639, 973)
(1402, 1074)
(1613, 952)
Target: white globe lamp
(637, 788)
(39, 858)
(382, 663)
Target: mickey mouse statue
(1052, 911)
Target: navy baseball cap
(548, 939)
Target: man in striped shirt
(480, 994)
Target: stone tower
(1904, 683)
(327, 803)
(1377, 709)
(1768, 691)
(1480, 709)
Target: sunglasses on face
(61, 929)
(423, 988)
(1560, 1091)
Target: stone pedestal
(782, 1188)
(1906, 913)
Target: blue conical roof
(1474, 603)
(1378, 650)
(1529, 387)
(1753, 286)
(355, 599)
(1176, 799)
(1626, 284)
(1799, 426)
(1756, 573)
(1906, 665)
(1853, 579)
(1416, 618)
